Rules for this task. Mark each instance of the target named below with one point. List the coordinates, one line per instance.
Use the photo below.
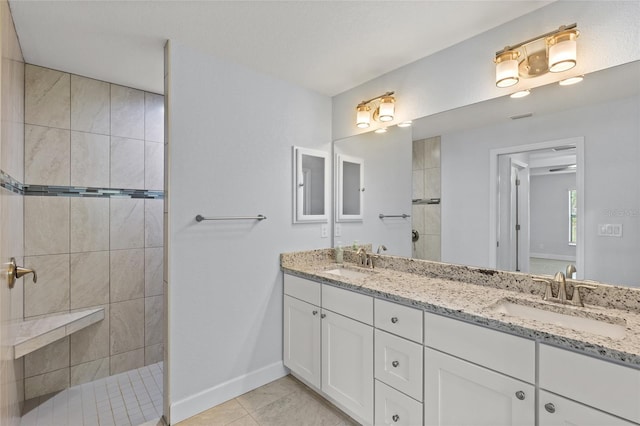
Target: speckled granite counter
(471, 294)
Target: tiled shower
(426, 189)
(88, 146)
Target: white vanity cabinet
(328, 343)
(605, 393)
(485, 377)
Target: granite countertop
(454, 291)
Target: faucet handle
(577, 299)
(548, 291)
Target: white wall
(230, 136)
(387, 183)
(549, 208)
(465, 73)
(612, 153)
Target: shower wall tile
(90, 165)
(432, 219)
(89, 224)
(127, 361)
(153, 165)
(127, 163)
(432, 247)
(432, 153)
(418, 184)
(127, 327)
(89, 371)
(153, 223)
(90, 105)
(127, 274)
(46, 155)
(153, 117)
(89, 279)
(51, 293)
(153, 259)
(127, 112)
(126, 223)
(46, 225)
(12, 129)
(47, 97)
(91, 343)
(432, 183)
(46, 383)
(153, 354)
(153, 320)
(417, 158)
(49, 358)
(417, 217)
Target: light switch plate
(324, 230)
(610, 230)
(337, 230)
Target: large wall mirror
(453, 182)
(349, 188)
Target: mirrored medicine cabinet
(310, 185)
(349, 188)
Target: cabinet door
(302, 339)
(458, 393)
(347, 364)
(557, 411)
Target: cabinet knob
(394, 319)
(550, 407)
(520, 395)
(395, 363)
(323, 315)
(395, 418)
(315, 312)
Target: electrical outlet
(610, 230)
(324, 231)
(337, 230)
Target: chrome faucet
(560, 279)
(381, 248)
(362, 256)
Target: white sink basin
(347, 273)
(614, 328)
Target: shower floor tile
(131, 398)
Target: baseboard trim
(553, 257)
(202, 401)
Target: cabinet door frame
(309, 373)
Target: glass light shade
(381, 130)
(571, 80)
(520, 94)
(507, 69)
(363, 118)
(386, 108)
(563, 51)
(405, 123)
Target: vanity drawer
(604, 385)
(398, 362)
(348, 303)
(511, 355)
(395, 408)
(397, 319)
(302, 289)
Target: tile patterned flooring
(126, 399)
(284, 402)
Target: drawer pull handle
(394, 319)
(550, 407)
(395, 363)
(520, 395)
(395, 418)
(323, 315)
(315, 312)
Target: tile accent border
(13, 185)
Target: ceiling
(325, 46)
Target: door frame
(578, 142)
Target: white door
(557, 411)
(458, 393)
(347, 364)
(302, 339)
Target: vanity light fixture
(571, 80)
(520, 94)
(384, 110)
(555, 51)
(405, 123)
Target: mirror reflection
(472, 218)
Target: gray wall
(549, 215)
(612, 154)
(224, 278)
